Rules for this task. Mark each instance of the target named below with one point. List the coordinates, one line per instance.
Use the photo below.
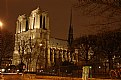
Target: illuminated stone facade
(33, 44)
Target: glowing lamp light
(1, 24)
(40, 44)
(90, 67)
(3, 70)
(17, 70)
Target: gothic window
(44, 23)
(51, 54)
(20, 26)
(27, 26)
(64, 55)
(68, 55)
(41, 21)
(60, 54)
(55, 56)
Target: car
(115, 73)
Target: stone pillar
(76, 54)
(69, 58)
(48, 47)
(62, 56)
(66, 55)
(37, 21)
(31, 21)
(48, 63)
(47, 22)
(17, 27)
(24, 25)
(53, 56)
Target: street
(39, 77)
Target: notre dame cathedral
(33, 45)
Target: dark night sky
(59, 13)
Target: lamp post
(38, 56)
(40, 53)
(1, 24)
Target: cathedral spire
(70, 34)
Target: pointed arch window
(55, 56)
(27, 26)
(20, 26)
(41, 21)
(51, 54)
(44, 23)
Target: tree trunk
(110, 62)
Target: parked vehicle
(115, 73)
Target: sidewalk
(67, 78)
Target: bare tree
(7, 47)
(27, 50)
(86, 46)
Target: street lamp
(1, 24)
(40, 45)
(38, 55)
